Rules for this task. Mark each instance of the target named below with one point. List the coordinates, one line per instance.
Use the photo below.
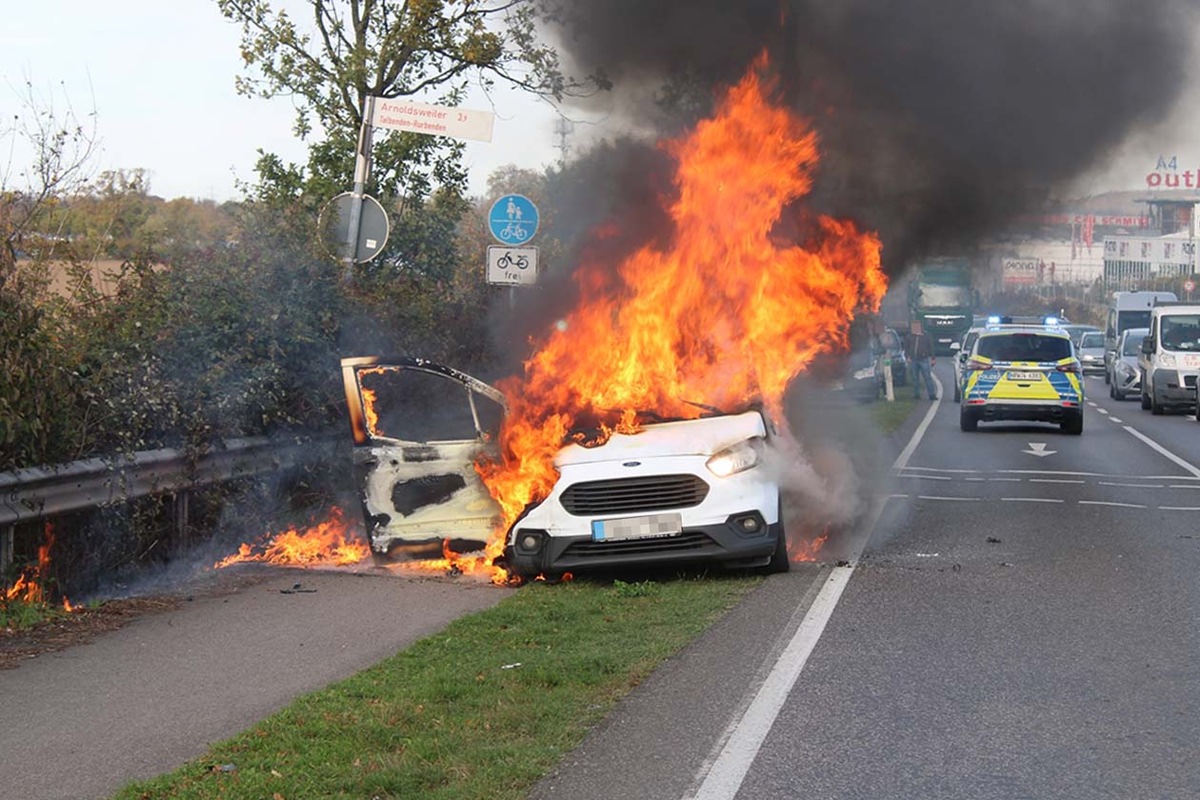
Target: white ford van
(1170, 359)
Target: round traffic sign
(373, 227)
(1189, 286)
(513, 219)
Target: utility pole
(562, 129)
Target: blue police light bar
(1052, 321)
(993, 320)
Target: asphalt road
(1021, 624)
(82, 722)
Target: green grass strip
(890, 416)
(482, 710)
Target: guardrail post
(181, 519)
(6, 548)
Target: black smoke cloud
(939, 119)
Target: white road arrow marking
(1039, 449)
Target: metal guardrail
(40, 492)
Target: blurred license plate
(652, 526)
(1024, 376)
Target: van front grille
(632, 495)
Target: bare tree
(49, 158)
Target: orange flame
(28, 587)
(328, 543)
(726, 314)
(803, 549)
(464, 563)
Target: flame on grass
(332, 542)
(30, 585)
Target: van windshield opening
(1132, 319)
(1180, 331)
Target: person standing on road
(920, 356)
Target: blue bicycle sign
(513, 219)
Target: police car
(1022, 372)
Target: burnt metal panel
(427, 490)
(419, 453)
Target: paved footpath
(142, 700)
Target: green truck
(941, 297)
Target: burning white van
(677, 491)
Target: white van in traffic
(1128, 310)
(1170, 359)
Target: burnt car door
(419, 428)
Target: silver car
(962, 353)
(1090, 351)
(1124, 378)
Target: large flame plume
(725, 315)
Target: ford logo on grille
(632, 464)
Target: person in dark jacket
(919, 349)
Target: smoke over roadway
(939, 119)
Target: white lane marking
(1005, 480)
(1183, 486)
(1030, 500)
(1114, 419)
(1179, 508)
(896, 496)
(1108, 503)
(1053, 480)
(906, 453)
(935, 497)
(1091, 403)
(1132, 485)
(1052, 472)
(740, 744)
(927, 477)
(1164, 451)
(935, 469)
(1101, 411)
(725, 776)
(975, 480)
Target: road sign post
(398, 114)
(513, 220)
(512, 266)
(337, 222)
(362, 168)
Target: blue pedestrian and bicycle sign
(513, 219)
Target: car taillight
(975, 365)
(1072, 367)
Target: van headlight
(738, 458)
(1125, 370)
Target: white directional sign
(512, 266)
(457, 123)
(1039, 449)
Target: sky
(159, 75)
